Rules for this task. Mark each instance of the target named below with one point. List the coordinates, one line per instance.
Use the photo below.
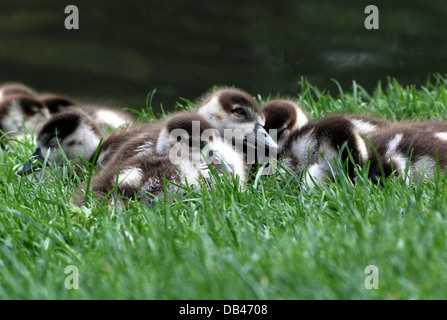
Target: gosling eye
(52, 142)
(281, 131)
(239, 111)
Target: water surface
(125, 49)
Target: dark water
(125, 49)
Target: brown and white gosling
(13, 89)
(20, 114)
(314, 148)
(192, 147)
(111, 118)
(411, 150)
(283, 116)
(388, 147)
(79, 136)
(239, 120)
(236, 116)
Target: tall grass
(276, 239)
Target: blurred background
(125, 49)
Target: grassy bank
(274, 240)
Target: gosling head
(236, 115)
(12, 89)
(20, 111)
(56, 103)
(189, 137)
(284, 116)
(73, 131)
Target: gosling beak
(35, 161)
(260, 138)
(220, 160)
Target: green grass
(274, 240)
